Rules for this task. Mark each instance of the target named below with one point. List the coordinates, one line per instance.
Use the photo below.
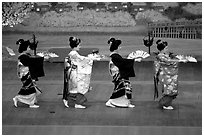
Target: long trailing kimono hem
(27, 99)
(120, 70)
(29, 90)
(120, 102)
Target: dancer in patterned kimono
(166, 72)
(77, 76)
(121, 70)
(29, 90)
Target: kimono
(166, 72)
(121, 70)
(29, 90)
(77, 74)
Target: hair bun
(111, 40)
(19, 41)
(74, 41)
(71, 39)
(161, 45)
(158, 41)
(114, 44)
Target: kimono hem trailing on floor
(121, 69)
(29, 90)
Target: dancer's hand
(138, 59)
(34, 82)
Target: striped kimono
(29, 90)
(120, 70)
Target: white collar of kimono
(113, 53)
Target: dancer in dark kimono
(29, 90)
(121, 70)
(166, 73)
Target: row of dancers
(78, 73)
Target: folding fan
(180, 57)
(47, 55)
(189, 58)
(138, 54)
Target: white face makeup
(78, 47)
(165, 49)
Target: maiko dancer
(25, 69)
(166, 73)
(77, 76)
(121, 70)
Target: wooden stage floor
(52, 118)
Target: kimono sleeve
(84, 64)
(24, 59)
(121, 62)
(126, 66)
(75, 55)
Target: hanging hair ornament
(138, 54)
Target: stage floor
(52, 118)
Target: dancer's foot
(90, 89)
(108, 104)
(15, 102)
(65, 103)
(168, 108)
(131, 106)
(34, 106)
(79, 106)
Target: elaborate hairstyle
(161, 44)
(111, 40)
(74, 42)
(23, 45)
(114, 44)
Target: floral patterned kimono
(166, 72)
(29, 90)
(121, 69)
(77, 78)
